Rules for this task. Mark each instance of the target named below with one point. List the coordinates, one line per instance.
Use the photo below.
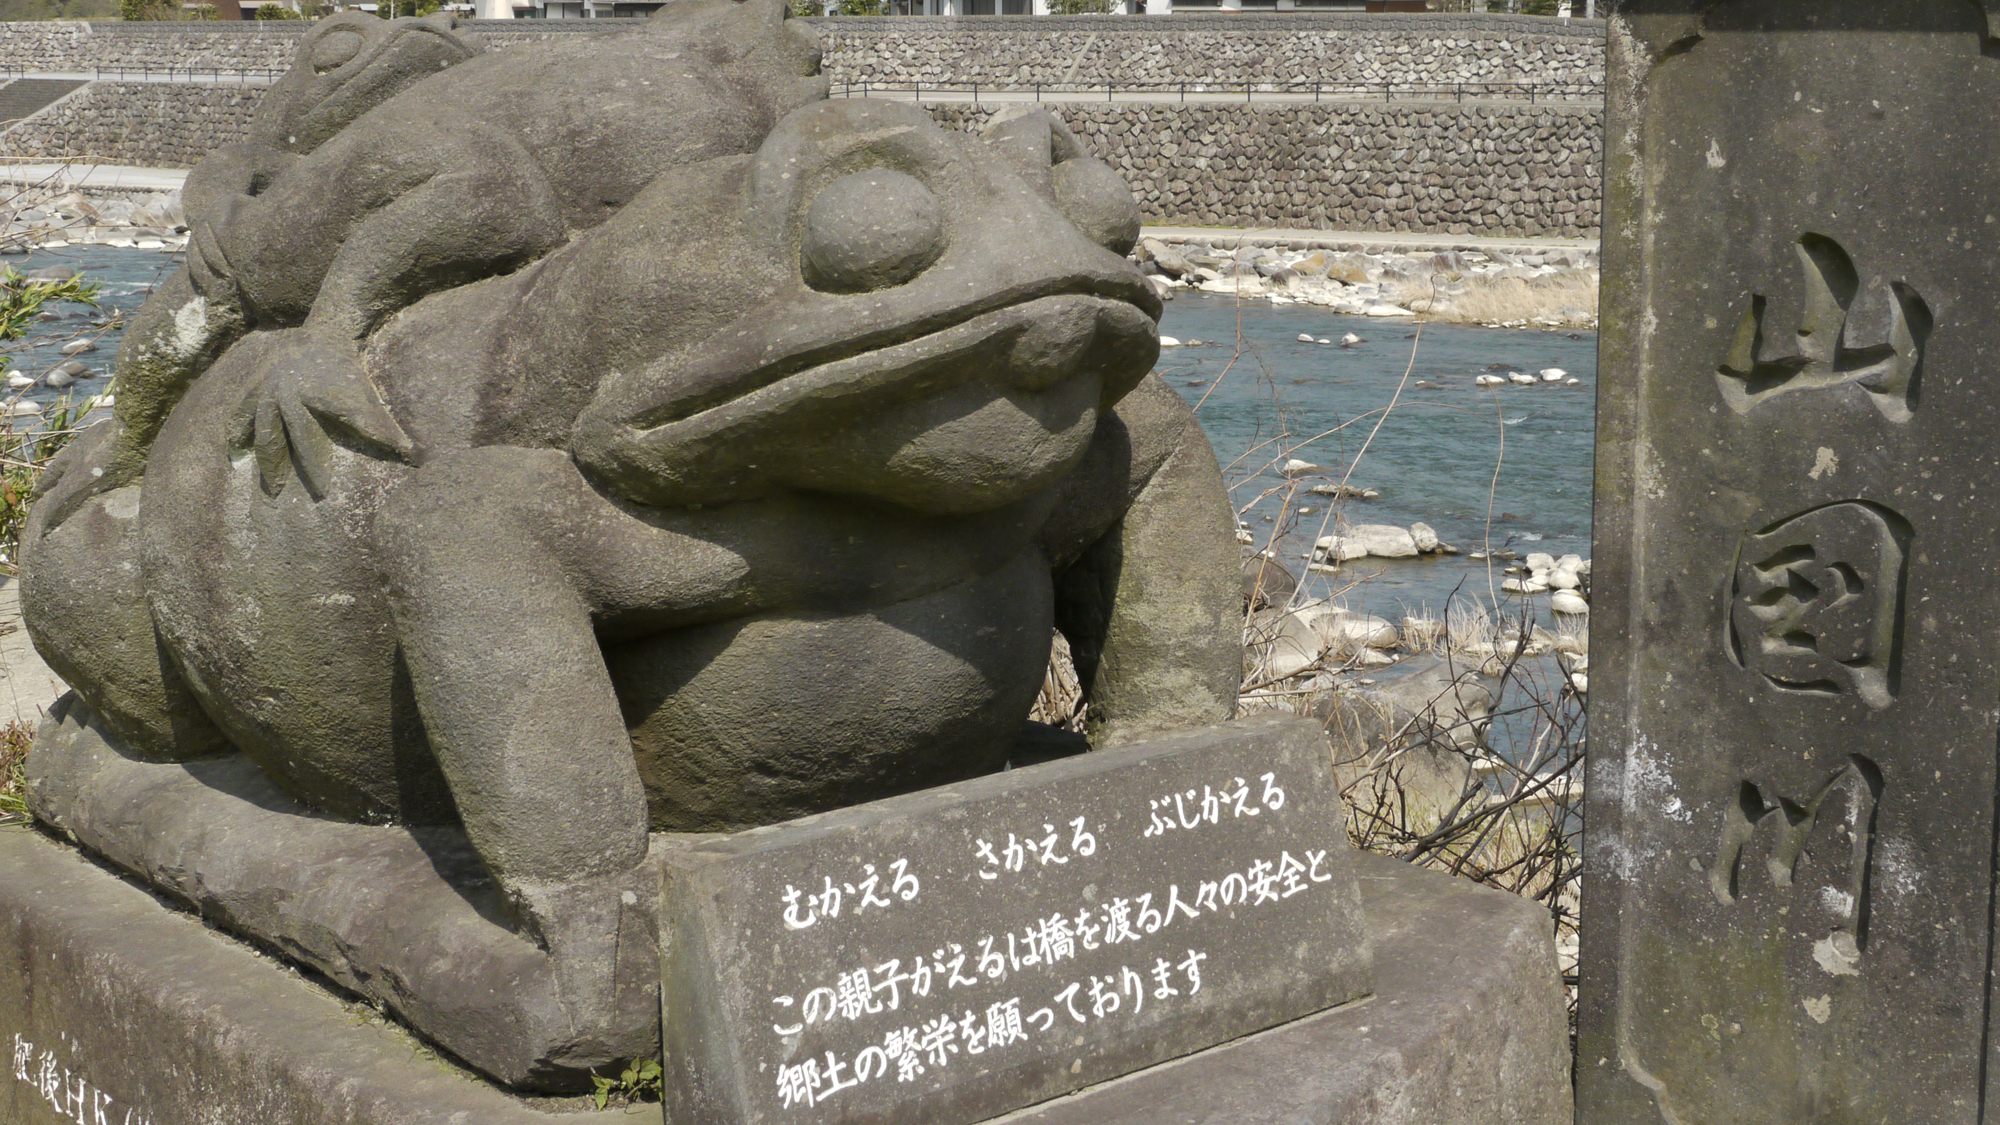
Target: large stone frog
(757, 496)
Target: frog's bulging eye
(337, 49)
(871, 230)
(1094, 198)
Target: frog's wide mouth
(1056, 360)
(1022, 348)
(770, 348)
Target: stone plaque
(951, 955)
(1791, 852)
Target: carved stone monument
(560, 478)
(616, 435)
(1789, 905)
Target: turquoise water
(1261, 395)
(1489, 469)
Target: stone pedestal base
(114, 1008)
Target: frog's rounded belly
(778, 715)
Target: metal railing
(147, 73)
(1534, 93)
(211, 74)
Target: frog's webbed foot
(315, 397)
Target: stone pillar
(1795, 705)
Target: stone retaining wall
(69, 45)
(1515, 170)
(152, 124)
(1169, 50)
(1023, 50)
(1492, 168)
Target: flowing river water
(1490, 468)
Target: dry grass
(14, 740)
(1510, 300)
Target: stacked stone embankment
(1492, 169)
(65, 46)
(1274, 50)
(1300, 48)
(1478, 166)
(151, 124)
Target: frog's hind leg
(84, 602)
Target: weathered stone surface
(955, 954)
(406, 918)
(107, 996)
(452, 484)
(1788, 910)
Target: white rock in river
(19, 409)
(1519, 377)
(1553, 374)
(1581, 684)
(1295, 467)
(17, 380)
(1306, 338)
(1384, 541)
(1285, 643)
(1568, 602)
(1541, 562)
(1570, 562)
(1169, 342)
(1560, 579)
(1425, 538)
(1488, 380)
(1339, 548)
(78, 347)
(1345, 631)
(1389, 310)
(58, 380)
(1349, 340)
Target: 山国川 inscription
(1795, 709)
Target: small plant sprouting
(640, 1082)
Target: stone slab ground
(115, 1008)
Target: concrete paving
(27, 686)
(104, 176)
(1351, 239)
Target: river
(1489, 468)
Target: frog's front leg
(1146, 586)
(494, 615)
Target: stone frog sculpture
(754, 496)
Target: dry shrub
(15, 738)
